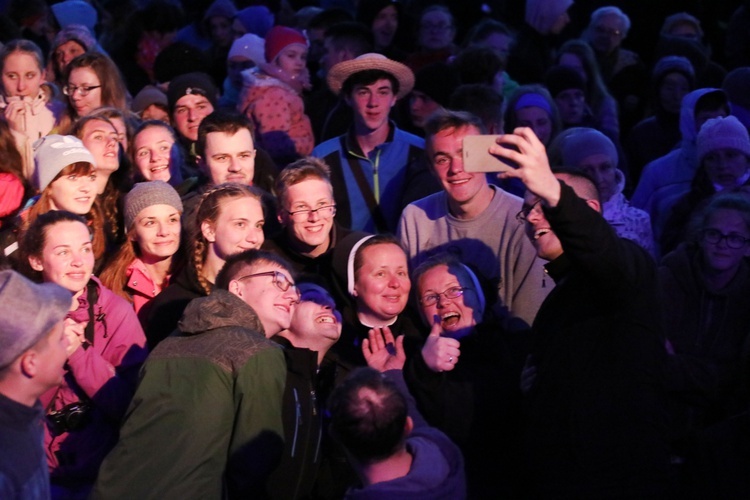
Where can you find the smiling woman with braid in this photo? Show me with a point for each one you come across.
(229, 219)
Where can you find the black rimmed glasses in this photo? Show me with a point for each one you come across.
(82, 90)
(523, 214)
(453, 292)
(280, 280)
(714, 236)
(325, 212)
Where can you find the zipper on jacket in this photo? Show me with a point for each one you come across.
(298, 423)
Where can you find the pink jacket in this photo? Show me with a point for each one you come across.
(141, 288)
(11, 193)
(104, 373)
(279, 115)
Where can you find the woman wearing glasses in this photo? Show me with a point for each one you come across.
(229, 220)
(705, 285)
(27, 101)
(92, 81)
(437, 31)
(374, 271)
(465, 379)
(106, 347)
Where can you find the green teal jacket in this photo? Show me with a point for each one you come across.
(205, 421)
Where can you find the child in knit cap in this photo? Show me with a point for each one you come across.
(71, 41)
(271, 96)
(246, 52)
(144, 264)
(723, 154)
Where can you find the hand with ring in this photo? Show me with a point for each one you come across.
(440, 353)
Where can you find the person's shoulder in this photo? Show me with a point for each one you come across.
(503, 204)
(327, 147)
(229, 347)
(627, 58)
(108, 299)
(637, 214)
(656, 169)
(505, 196)
(433, 204)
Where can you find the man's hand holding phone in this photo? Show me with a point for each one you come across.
(530, 156)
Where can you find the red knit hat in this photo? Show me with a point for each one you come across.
(280, 37)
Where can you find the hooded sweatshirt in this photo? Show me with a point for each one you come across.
(205, 421)
(667, 179)
(437, 469)
(706, 328)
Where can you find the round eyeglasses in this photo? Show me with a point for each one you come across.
(714, 236)
(453, 292)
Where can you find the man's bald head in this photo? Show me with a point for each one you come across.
(582, 185)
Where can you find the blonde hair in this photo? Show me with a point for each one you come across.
(209, 210)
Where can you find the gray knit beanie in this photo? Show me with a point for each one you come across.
(583, 142)
(674, 64)
(28, 311)
(52, 153)
(146, 194)
(722, 133)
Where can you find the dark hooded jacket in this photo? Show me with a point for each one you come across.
(205, 421)
(707, 329)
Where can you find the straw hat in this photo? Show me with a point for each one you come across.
(343, 70)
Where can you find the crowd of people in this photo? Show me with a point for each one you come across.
(242, 258)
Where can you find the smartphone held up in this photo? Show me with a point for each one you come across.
(477, 158)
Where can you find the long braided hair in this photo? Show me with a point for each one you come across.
(208, 211)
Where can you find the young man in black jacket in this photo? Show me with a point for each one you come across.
(594, 418)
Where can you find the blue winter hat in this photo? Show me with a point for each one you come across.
(75, 12)
(257, 20)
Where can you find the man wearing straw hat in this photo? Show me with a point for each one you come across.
(376, 169)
